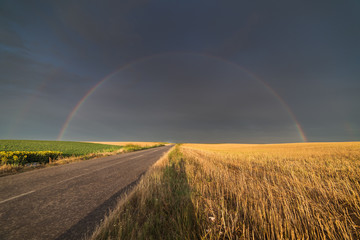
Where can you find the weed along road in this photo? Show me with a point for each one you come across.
(68, 201)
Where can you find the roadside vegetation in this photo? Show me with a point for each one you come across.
(160, 206)
(134, 147)
(27, 157)
(243, 191)
(21, 155)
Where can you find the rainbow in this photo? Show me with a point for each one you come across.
(143, 59)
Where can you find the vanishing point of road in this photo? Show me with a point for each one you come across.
(68, 201)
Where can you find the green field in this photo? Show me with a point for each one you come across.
(67, 148)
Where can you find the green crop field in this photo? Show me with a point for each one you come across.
(17, 154)
(66, 148)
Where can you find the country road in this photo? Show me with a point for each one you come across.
(68, 201)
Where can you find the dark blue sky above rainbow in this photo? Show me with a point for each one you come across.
(180, 71)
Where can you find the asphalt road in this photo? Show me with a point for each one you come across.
(68, 201)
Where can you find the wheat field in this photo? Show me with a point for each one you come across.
(278, 191)
(245, 191)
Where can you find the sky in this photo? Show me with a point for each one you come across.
(180, 71)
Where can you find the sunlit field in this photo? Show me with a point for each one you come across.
(67, 148)
(238, 191)
(296, 191)
(18, 155)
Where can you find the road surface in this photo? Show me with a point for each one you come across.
(68, 201)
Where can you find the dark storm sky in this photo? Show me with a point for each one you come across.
(196, 71)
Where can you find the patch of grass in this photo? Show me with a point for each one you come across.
(159, 208)
(133, 147)
(67, 148)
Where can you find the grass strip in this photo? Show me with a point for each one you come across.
(160, 207)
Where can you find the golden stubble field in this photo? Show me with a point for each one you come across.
(245, 191)
(276, 191)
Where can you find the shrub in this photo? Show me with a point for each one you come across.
(24, 157)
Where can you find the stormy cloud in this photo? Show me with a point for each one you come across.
(182, 71)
